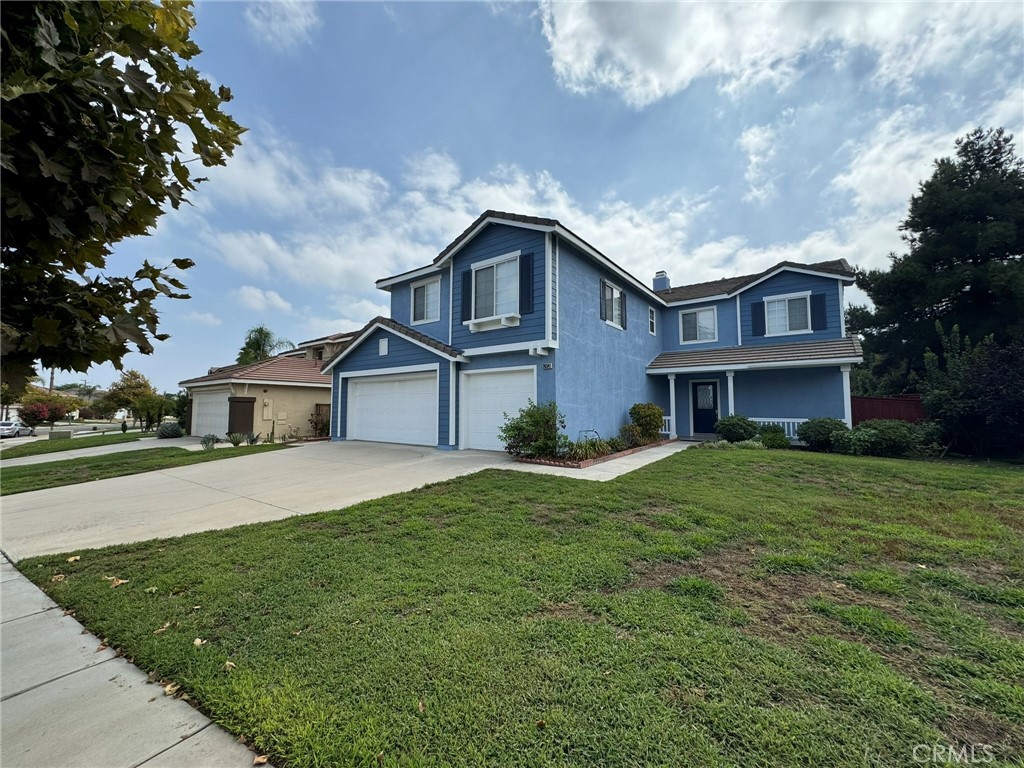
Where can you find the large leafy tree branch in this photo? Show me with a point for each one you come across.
(95, 97)
(964, 263)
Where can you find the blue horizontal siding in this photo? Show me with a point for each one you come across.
(793, 282)
(497, 240)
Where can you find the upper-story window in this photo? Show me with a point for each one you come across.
(787, 314)
(698, 325)
(496, 289)
(652, 321)
(613, 304)
(426, 301)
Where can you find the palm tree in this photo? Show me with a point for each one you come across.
(261, 343)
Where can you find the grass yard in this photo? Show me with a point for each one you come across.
(40, 447)
(34, 477)
(713, 609)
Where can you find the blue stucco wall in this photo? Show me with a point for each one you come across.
(793, 282)
(798, 393)
(401, 352)
(599, 369)
(401, 307)
(496, 240)
(726, 326)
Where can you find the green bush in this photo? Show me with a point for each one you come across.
(208, 441)
(716, 445)
(888, 437)
(648, 418)
(252, 438)
(630, 435)
(773, 436)
(616, 444)
(817, 433)
(534, 431)
(750, 445)
(591, 448)
(237, 438)
(169, 429)
(735, 428)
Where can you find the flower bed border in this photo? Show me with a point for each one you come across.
(591, 462)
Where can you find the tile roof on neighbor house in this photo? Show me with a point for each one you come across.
(329, 338)
(399, 328)
(729, 285)
(846, 350)
(286, 370)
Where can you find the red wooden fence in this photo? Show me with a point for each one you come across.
(902, 407)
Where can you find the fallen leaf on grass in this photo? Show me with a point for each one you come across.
(115, 582)
(164, 628)
(260, 759)
(171, 688)
(541, 724)
(198, 642)
(380, 758)
(151, 590)
(229, 665)
(101, 647)
(58, 578)
(69, 612)
(74, 558)
(421, 707)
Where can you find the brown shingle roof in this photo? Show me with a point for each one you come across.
(757, 356)
(290, 370)
(402, 330)
(729, 285)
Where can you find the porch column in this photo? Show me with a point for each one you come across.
(847, 406)
(731, 388)
(671, 406)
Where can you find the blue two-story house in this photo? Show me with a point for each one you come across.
(520, 308)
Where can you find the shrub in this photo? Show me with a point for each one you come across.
(616, 444)
(318, 424)
(591, 448)
(735, 428)
(169, 429)
(817, 433)
(630, 435)
(716, 445)
(237, 438)
(87, 413)
(533, 431)
(773, 436)
(648, 419)
(750, 445)
(252, 438)
(888, 437)
(34, 414)
(208, 441)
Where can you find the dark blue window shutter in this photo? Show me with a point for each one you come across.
(622, 298)
(819, 318)
(526, 284)
(757, 318)
(604, 307)
(467, 295)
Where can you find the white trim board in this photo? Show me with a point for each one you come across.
(388, 329)
(261, 382)
(426, 367)
(522, 346)
(758, 366)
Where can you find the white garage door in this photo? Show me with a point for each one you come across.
(486, 398)
(393, 409)
(210, 413)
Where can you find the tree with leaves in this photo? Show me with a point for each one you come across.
(964, 263)
(96, 98)
(260, 344)
(129, 389)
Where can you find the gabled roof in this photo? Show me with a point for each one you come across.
(830, 352)
(276, 370)
(729, 286)
(421, 339)
(332, 338)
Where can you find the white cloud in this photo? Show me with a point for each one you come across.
(203, 318)
(646, 51)
(432, 170)
(758, 141)
(258, 299)
(283, 25)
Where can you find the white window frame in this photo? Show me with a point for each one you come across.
(621, 296)
(412, 301)
(506, 320)
(713, 309)
(806, 296)
(382, 347)
(652, 321)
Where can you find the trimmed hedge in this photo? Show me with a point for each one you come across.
(735, 429)
(773, 436)
(817, 433)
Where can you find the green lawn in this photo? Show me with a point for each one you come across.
(51, 474)
(56, 446)
(713, 609)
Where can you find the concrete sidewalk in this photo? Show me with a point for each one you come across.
(65, 703)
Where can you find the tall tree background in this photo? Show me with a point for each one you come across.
(963, 266)
(261, 343)
(97, 98)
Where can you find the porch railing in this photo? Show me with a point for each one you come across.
(666, 425)
(790, 425)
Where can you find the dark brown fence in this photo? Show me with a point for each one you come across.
(902, 407)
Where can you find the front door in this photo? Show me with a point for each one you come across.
(704, 397)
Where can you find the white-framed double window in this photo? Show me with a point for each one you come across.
(613, 304)
(787, 314)
(496, 288)
(426, 301)
(698, 325)
(652, 321)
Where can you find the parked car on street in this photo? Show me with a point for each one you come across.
(15, 428)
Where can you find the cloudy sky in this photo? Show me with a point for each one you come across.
(704, 139)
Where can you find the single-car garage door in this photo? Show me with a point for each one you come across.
(487, 397)
(210, 413)
(393, 409)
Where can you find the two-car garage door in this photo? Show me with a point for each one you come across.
(393, 409)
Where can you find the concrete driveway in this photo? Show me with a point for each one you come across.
(249, 489)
